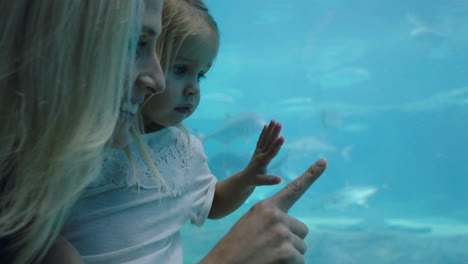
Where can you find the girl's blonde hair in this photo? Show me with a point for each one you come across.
(182, 19)
(62, 79)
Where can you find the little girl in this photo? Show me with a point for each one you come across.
(131, 216)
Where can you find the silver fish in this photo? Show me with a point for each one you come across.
(310, 145)
(239, 126)
(349, 196)
(313, 145)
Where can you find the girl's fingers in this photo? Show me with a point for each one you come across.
(261, 139)
(269, 130)
(261, 180)
(276, 146)
(274, 133)
(264, 157)
(273, 150)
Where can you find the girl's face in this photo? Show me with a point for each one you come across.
(149, 78)
(182, 94)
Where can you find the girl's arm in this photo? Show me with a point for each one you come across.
(61, 252)
(232, 192)
(229, 195)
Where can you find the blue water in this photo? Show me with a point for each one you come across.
(389, 80)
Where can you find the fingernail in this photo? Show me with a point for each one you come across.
(321, 163)
(276, 180)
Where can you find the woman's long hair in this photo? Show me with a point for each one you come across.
(62, 79)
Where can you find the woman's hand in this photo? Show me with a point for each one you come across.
(266, 234)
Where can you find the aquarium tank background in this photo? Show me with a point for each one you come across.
(378, 88)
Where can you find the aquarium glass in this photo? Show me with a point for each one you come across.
(379, 89)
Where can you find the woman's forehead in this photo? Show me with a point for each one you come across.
(152, 17)
(154, 5)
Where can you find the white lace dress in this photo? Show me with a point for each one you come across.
(127, 219)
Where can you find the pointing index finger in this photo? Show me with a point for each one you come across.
(287, 196)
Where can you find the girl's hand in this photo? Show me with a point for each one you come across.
(268, 146)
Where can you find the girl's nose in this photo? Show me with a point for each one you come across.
(192, 89)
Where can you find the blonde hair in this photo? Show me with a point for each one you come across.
(182, 19)
(62, 79)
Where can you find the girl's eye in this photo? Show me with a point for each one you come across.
(179, 69)
(201, 76)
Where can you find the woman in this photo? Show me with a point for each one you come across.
(64, 95)
(64, 69)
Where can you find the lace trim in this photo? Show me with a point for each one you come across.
(171, 153)
(114, 170)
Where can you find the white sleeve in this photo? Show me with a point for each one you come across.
(203, 183)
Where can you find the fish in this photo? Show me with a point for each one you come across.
(219, 97)
(330, 119)
(315, 111)
(215, 105)
(239, 126)
(329, 54)
(337, 114)
(423, 30)
(357, 195)
(310, 145)
(451, 98)
(375, 223)
(296, 100)
(442, 35)
(348, 197)
(316, 146)
(342, 77)
(225, 164)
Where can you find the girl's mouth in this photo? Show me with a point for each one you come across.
(182, 110)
